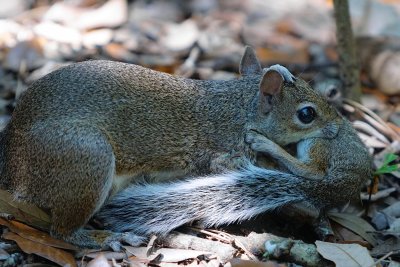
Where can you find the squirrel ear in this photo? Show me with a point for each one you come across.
(249, 63)
(270, 85)
(271, 82)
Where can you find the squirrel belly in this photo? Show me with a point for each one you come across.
(212, 200)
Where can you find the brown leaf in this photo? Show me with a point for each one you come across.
(26, 55)
(109, 255)
(119, 52)
(285, 49)
(345, 255)
(34, 235)
(23, 211)
(56, 255)
(89, 18)
(355, 224)
(344, 235)
(168, 254)
(99, 261)
(247, 263)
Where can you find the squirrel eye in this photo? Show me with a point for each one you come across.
(332, 92)
(306, 115)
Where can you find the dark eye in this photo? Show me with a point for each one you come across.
(306, 115)
(332, 92)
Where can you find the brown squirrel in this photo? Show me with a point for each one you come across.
(83, 133)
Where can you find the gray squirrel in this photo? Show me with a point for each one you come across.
(82, 134)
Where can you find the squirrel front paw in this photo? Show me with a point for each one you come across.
(260, 143)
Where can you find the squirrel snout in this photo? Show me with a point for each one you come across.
(331, 130)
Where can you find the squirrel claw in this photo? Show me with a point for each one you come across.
(260, 143)
(115, 241)
(259, 147)
(254, 137)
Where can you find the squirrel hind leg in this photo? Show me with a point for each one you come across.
(67, 169)
(88, 183)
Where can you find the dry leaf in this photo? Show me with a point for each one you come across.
(284, 49)
(97, 38)
(55, 32)
(24, 212)
(391, 244)
(345, 255)
(247, 263)
(99, 261)
(119, 52)
(25, 54)
(355, 224)
(109, 255)
(112, 14)
(56, 255)
(343, 234)
(35, 235)
(168, 254)
(180, 37)
(3, 254)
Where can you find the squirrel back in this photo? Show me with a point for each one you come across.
(153, 120)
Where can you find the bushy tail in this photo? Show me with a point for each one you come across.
(213, 200)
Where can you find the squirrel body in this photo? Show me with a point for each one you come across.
(83, 133)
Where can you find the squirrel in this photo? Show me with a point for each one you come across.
(85, 132)
(326, 173)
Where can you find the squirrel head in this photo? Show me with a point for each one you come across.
(289, 110)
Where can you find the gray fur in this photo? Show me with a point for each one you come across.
(213, 200)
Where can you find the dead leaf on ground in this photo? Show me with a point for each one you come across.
(4, 254)
(27, 53)
(247, 263)
(35, 235)
(167, 254)
(25, 212)
(345, 255)
(109, 255)
(112, 14)
(99, 261)
(284, 49)
(355, 224)
(385, 218)
(180, 37)
(391, 244)
(346, 236)
(56, 255)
